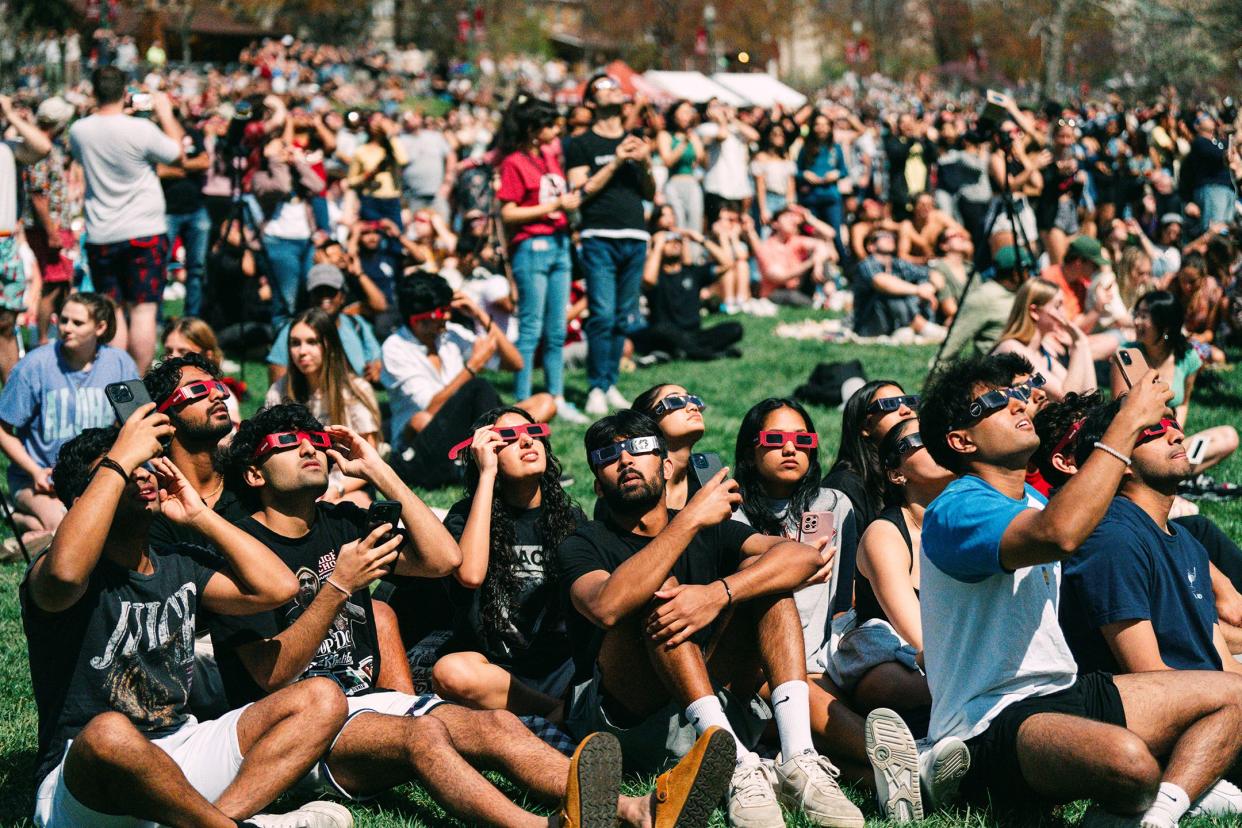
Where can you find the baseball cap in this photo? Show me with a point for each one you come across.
(54, 112)
(1085, 247)
(1012, 257)
(325, 275)
(1171, 218)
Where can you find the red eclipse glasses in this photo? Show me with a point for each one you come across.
(435, 313)
(282, 440)
(776, 439)
(194, 391)
(509, 434)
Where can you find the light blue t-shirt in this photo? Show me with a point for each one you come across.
(991, 637)
(357, 340)
(47, 404)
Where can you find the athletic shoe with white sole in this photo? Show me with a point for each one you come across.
(752, 797)
(895, 761)
(567, 411)
(808, 781)
(597, 403)
(318, 814)
(616, 399)
(1222, 798)
(941, 770)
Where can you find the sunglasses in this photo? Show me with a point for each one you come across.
(993, 401)
(605, 83)
(890, 404)
(1157, 431)
(676, 402)
(510, 434)
(905, 447)
(435, 313)
(634, 445)
(777, 439)
(282, 440)
(194, 391)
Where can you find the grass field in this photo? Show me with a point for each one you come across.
(771, 367)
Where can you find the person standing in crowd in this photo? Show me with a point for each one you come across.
(186, 210)
(1204, 182)
(429, 176)
(288, 225)
(910, 159)
(55, 392)
(726, 141)
(776, 179)
(49, 214)
(126, 229)
(612, 171)
(534, 202)
(375, 172)
(822, 170)
(681, 150)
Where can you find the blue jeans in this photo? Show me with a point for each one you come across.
(541, 269)
(1216, 203)
(614, 276)
(371, 208)
(289, 261)
(193, 228)
(830, 211)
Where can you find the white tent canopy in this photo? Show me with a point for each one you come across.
(692, 86)
(759, 89)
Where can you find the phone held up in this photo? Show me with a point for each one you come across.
(126, 398)
(381, 512)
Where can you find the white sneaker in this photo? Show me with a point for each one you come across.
(319, 814)
(903, 336)
(941, 770)
(752, 797)
(567, 411)
(1097, 817)
(895, 761)
(1220, 799)
(597, 403)
(616, 399)
(809, 781)
(933, 333)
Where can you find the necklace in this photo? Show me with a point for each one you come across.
(214, 491)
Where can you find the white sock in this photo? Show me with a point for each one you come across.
(791, 707)
(707, 712)
(1171, 805)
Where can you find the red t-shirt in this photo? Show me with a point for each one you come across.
(1075, 295)
(528, 181)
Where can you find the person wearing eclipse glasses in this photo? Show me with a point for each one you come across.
(679, 414)
(1144, 747)
(431, 371)
(678, 616)
(279, 461)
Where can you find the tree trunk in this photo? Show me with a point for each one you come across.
(1053, 38)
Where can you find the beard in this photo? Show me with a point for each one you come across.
(607, 110)
(206, 433)
(635, 500)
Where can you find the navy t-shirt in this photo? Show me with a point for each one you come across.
(1130, 570)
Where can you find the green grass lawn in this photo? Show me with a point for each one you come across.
(771, 367)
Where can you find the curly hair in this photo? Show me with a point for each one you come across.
(558, 518)
(252, 432)
(1052, 423)
(72, 473)
(949, 392)
(419, 294)
(750, 483)
(165, 377)
(1094, 425)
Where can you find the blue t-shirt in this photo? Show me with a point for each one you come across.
(1131, 570)
(357, 339)
(47, 404)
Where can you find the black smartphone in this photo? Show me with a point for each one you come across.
(126, 398)
(381, 512)
(705, 466)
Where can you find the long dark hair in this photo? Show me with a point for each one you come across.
(1167, 317)
(523, 119)
(856, 453)
(746, 471)
(811, 144)
(557, 520)
(890, 458)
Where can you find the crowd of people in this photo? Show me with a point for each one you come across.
(221, 609)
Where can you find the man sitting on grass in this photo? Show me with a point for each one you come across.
(278, 461)
(109, 623)
(1143, 746)
(671, 607)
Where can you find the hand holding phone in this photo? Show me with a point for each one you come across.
(816, 525)
(705, 465)
(381, 512)
(1131, 363)
(129, 396)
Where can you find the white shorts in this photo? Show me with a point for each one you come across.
(319, 780)
(207, 753)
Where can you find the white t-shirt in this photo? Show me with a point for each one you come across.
(727, 164)
(410, 377)
(123, 195)
(8, 187)
(991, 637)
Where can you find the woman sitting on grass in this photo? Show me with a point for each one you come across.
(510, 649)
(679, 414)
(1038, 330)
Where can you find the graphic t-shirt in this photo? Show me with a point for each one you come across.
(533, 640)
(47, 404)
(616, 211)
(528, 181)
(349, 654)
(1131, 570)
(127, 645)
(712, 554)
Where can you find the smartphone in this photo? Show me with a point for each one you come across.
(381, 512)
(1198, 449)
(126, 398)
(1131, 363)
(705, 466)
(816, 525)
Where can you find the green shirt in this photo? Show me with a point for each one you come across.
(980, 319)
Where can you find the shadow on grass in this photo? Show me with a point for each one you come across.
(16, 795)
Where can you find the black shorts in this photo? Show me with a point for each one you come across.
(994, 769)
(130, 271)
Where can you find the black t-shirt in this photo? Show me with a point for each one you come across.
(164, 532)
(618, 206)
(850, 483)
(349, 653)
(675, 296)
(383, 268)
(712, 554)
(127, 645)
(535, 641)
(185, 195)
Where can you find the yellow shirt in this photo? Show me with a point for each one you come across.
(384, 183)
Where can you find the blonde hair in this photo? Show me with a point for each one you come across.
(1127, 288)
(1021, 326)
(198, 332)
